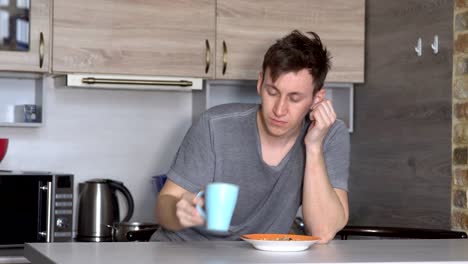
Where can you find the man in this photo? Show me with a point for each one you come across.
(288, 151)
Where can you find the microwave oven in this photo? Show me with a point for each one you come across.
(35, 207)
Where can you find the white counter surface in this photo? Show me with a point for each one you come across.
(338, 251)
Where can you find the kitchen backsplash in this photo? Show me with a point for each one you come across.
(127, 136)
(124, 135)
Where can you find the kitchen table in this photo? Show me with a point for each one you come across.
(337, 251)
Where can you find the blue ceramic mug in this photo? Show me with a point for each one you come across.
(220, 201)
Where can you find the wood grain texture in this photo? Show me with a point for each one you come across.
(146, 37)
(29, 61)
(401, 147)
(250, 27)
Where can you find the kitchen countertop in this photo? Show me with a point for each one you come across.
(337, 251)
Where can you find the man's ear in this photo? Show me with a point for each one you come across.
(259, 83)
(319, 96)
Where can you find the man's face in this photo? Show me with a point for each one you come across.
(285, 102)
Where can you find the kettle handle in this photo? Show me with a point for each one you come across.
(116, 185)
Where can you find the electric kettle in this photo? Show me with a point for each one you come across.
(99, 209)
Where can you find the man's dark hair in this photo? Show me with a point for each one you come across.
(295, 52)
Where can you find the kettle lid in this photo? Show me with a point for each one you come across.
(98, 181)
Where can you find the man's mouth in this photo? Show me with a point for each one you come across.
(278, 122)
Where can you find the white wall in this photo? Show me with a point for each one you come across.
(123, 135)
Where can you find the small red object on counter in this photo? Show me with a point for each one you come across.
(3, 147)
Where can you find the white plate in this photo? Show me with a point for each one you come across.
(274, 242)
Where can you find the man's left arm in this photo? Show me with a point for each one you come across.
(325, 207)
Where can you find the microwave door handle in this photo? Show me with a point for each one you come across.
(49, 212)
(48, 231)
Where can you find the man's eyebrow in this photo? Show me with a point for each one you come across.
(271, 85)
(290, 94)
(297, 93)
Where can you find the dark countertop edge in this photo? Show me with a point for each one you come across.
(34, 256)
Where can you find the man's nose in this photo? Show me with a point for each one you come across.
(281, 107)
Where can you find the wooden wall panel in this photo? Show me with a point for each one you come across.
(401, 162)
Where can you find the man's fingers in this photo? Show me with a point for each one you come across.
(199, 200)
(197, 219)
(327, 108)
(330, 110)
(322, 120)
(323, 113)
(324, 103)
(321, 117)
(187, 212)
(183, 208)
(328, 117)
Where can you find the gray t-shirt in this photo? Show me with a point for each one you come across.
(224, 146)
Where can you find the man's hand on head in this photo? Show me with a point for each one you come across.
(322, 116)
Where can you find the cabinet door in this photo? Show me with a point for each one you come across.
(248, 28)
(401, 163)
(37, 57)
(148, 37)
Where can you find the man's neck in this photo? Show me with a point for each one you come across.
(273, 140)
(274, 148)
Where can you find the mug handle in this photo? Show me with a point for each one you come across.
(199, 209)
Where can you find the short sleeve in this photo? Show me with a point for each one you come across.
(193, 166)
(337, 154)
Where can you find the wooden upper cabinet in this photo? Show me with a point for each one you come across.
(147, 37)
(37, 57)
(180, 38)
(245, 30)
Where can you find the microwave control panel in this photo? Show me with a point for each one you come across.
(63, 208)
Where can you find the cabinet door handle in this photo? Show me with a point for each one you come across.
(92, 80)
(41, 50)
(224, 57)
(207, 56)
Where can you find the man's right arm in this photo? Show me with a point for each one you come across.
(176, 208)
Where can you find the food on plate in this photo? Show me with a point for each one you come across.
(279, 237)
(284, 239)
